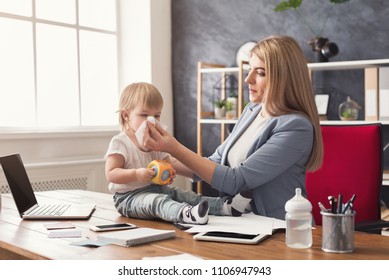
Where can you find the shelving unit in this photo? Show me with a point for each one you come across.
(373, 83)
(373, 92)
(207, 117)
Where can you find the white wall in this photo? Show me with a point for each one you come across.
(145, 48)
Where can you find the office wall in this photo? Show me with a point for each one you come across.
(212, 31)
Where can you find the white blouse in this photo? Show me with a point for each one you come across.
(239, 150)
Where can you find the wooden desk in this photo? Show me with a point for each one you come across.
(28, 239)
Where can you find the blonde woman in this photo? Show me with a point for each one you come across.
(275, 141)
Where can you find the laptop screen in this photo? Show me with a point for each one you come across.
(18, 182)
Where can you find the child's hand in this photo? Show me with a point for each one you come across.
(172, 176)
(144, 175)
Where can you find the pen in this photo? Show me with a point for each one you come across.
(340, 204)
(332, 203)
(323, 209)
(349, 204)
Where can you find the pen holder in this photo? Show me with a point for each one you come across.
(162, 170)
(338, 232)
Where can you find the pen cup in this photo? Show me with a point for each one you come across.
(338, 232)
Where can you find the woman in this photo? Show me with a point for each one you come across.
(276, 139)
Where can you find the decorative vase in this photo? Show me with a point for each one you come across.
(348, 110)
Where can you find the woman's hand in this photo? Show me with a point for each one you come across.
(172, 176)
(157, 139)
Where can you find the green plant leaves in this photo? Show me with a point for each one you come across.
(286, 5)
(320, 16)
(220, 103)
(294, 4)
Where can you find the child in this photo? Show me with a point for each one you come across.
(130, 180)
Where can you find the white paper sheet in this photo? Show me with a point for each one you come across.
(64, 233)
(247, 224)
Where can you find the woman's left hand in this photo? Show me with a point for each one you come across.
(172, 176)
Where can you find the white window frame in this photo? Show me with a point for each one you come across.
(17, 132)
(140, 21)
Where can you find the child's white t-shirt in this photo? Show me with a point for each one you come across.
(133, 158)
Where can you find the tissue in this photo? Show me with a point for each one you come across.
(140, 132)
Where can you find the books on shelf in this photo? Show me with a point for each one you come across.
(136, 236)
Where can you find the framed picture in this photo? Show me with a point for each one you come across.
(322, 101)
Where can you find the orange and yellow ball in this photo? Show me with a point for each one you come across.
(163, 170)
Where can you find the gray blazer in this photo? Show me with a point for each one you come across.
(275, 163)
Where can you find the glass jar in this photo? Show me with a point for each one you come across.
(298, 222)
(348, 110)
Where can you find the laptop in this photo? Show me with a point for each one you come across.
(25, 199)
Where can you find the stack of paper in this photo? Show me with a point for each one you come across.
(246, 224)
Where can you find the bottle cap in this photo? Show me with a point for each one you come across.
(298, 203)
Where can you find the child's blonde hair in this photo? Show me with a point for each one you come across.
(135, 94)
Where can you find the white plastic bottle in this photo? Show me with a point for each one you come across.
(298, 222)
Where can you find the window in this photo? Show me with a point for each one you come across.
(58, 63)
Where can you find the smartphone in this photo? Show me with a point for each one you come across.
(109, 227)
(231, 237)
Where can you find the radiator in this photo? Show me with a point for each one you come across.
(80, 183)
(81, 175)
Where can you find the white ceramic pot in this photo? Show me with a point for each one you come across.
(219, 112)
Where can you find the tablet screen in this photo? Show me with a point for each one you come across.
(232, 237)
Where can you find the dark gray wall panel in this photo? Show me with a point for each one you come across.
(212, 31)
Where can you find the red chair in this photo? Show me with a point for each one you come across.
(352, 164)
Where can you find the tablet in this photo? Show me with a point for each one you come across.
(232, 237)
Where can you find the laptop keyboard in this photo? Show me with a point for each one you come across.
(49, 210)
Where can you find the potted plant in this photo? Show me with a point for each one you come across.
(219, 108)
(324, 48)
(230, 111)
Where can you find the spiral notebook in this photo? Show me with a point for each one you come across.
(136, 236)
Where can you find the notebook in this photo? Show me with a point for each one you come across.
(136, 236)
(25, 199)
